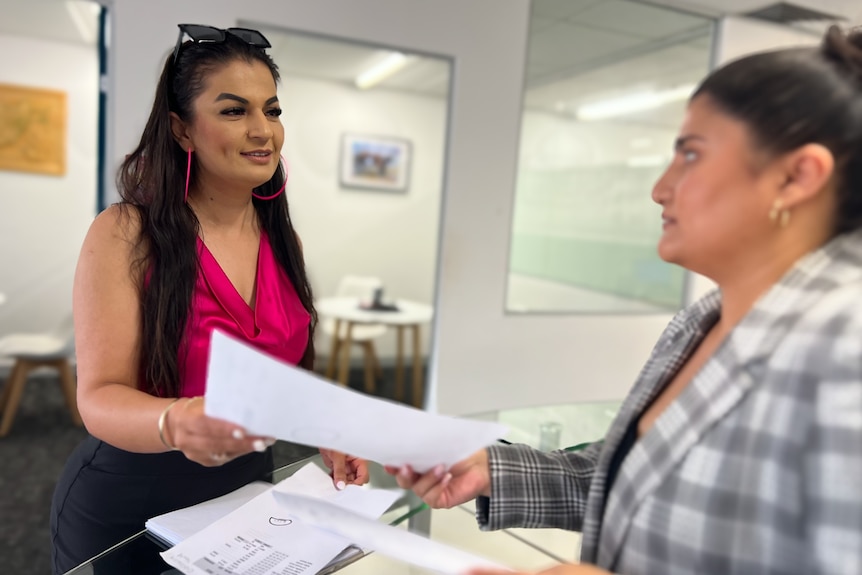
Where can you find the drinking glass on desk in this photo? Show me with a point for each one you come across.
(549, 435)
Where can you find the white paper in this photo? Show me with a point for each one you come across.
(271, 398)
(260, 537)
(384, 539)
(181, 524)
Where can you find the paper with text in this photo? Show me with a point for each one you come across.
(180, 524)
(261, 538)
(269, 397)
(384, 539)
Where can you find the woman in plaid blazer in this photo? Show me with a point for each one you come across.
(739, 448)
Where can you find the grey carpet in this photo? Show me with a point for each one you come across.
(32, 457)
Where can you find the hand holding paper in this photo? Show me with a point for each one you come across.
(271, 398)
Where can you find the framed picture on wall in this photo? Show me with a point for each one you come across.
(32, 130)
(374, 162)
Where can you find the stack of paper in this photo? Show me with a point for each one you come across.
(260, 536)
(181, 524)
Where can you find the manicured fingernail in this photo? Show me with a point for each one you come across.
(259, 445)
(404, 472)
(238, 434)
(446, 479)
(270, 441)
(439, 470)
(340, 485)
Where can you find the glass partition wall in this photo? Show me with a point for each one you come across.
(607, 85)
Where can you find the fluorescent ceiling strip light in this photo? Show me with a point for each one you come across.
(84, 14)
(393, 62)
(633, 103)
(652, 161)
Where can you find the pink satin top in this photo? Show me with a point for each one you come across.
(278, 324)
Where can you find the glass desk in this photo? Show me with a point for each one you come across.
(549, 427)
(139, 554)
(555, 426)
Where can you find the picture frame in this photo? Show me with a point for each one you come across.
(32, 130)
(375, 162)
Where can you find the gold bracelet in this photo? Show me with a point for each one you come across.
(162, 420)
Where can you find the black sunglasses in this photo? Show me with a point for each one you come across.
(202, 33)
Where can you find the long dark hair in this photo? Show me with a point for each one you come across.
(792, 97)
(151, 181)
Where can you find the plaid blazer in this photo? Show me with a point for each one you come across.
(756, 467)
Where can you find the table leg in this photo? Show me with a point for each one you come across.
(344, 368)
(370, 383)
(333, 351)
(399, 364)
(418, 388)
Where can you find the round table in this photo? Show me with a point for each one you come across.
(410, 315)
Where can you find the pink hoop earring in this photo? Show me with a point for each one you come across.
(188, 173)
(278, 193)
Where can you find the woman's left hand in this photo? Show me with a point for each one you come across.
(346, 469)
(567, 569)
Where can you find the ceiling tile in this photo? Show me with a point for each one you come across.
(558, 9)
(637, 19)
(566, 45)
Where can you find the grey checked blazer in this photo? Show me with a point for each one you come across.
(756, 467)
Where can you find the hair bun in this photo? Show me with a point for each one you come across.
(844, 49)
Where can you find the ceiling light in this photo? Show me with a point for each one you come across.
(631, 103)
(641, 143)
(393, 62)
(85, 15)
(651, 161)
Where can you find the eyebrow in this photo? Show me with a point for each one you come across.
(241, 100)
(683, 140)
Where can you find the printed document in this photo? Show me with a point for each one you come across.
(271, 398)
(261, 537)
(384, 539)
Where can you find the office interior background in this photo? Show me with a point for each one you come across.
(524, 221)
(533, 132)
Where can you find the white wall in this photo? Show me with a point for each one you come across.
(347, 231)
(43, 218)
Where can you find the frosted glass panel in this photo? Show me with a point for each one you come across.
(598, 127)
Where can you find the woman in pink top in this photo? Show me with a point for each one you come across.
(201, 241)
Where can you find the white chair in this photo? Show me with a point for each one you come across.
(362, 288)
(31, 351)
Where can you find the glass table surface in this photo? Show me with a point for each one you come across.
(544, 427)
(139, 554)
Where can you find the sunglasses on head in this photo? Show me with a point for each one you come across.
(199, 33)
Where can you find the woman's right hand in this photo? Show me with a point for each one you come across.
(440, 488)
(207, 440)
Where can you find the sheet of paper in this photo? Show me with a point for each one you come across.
(384, 539)
(261, 538)
(177, 525)
(269, 397)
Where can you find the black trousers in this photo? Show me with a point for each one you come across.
(105, 495)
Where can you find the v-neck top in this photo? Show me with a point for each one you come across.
(277, 325)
